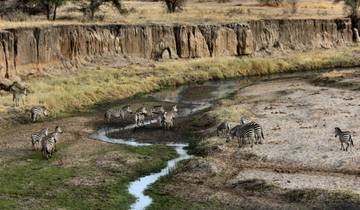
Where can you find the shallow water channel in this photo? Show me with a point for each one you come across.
(196, 97)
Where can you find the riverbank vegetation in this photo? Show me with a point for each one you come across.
(79, 91)
(97, 178)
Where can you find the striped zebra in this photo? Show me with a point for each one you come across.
(48, 146)
(49, 142)
(345, 138)
(117, 112)
(259, 134)
(139, 119)
(223, 129)
(243, 132)
(38, 112)
(167, 119)
(37, 137)
(19, 94)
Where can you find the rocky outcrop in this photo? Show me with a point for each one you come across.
(28, 50)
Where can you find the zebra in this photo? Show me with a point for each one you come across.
(48, 146)
(18, 95)
(37, 137)
(49, 142)
(117, 112)
(167, 119)
(139, 119)
(259, 134)
(223, 128)
(38, 111)
(242, 132)
(157, 110)
(344, 137)
(56, 133)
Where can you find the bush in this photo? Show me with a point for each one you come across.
(174, 5)
(273, 3)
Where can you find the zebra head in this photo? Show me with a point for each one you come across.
(58, 129)
(337, 131)
(242, 121)
(174, 108)
(46, 111)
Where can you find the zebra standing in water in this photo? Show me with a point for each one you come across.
(167, 119)
(345, 138)
(140, 115)
(38, 111)
(117, 112)
(37, 137)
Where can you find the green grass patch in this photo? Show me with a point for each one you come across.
(34, 183)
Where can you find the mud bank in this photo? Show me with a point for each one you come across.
(300, 164)
(30, 50)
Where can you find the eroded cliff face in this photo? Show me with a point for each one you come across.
(27, 50)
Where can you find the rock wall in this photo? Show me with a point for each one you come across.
(27, 50)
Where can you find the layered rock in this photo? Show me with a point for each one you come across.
(27, 50)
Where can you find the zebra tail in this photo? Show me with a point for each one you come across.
(352, 143)
(262, 134)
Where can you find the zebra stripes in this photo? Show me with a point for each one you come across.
(243, 131)
(37, 137)
(49, 142)
(345, 138)
(117, 112)
(38, 112)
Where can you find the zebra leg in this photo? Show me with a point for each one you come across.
(347, 146)
(342, 147)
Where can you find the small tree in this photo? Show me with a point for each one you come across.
(95, 5)
(274, 3)
(352, 7)
(174, 5)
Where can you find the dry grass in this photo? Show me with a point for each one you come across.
(72, 93)
(194, 12)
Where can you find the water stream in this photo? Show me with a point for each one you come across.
(197, 98)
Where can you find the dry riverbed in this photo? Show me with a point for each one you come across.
(300, 164)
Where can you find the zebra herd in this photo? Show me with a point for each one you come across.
(164, 118)
(253, 131)
(45, 142)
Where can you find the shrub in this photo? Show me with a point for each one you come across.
(273, 3)
(174, 5)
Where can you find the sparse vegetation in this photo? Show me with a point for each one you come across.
(352, 8)
(174, 5)
(91, 86)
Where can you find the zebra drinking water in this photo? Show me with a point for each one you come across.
(37, 137)
(117, 112)
(38, 112)
(345, 138)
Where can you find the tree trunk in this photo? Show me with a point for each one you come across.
(54, 14)
(48, 12)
